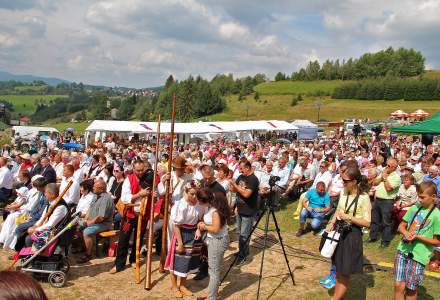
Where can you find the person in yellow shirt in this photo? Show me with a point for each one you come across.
(387, 187)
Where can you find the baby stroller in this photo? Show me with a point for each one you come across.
(51, 260)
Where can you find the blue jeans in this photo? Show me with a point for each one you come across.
(317, 218)
(244, 227)
(94, 229)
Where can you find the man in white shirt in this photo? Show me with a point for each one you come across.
(51, 193)
(282, 171)
(78, 173)
(6, 180)
(323, 175)
(72, 195)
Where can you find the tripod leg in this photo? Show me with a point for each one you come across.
(282, 245)
(247, 241)
(266, 228)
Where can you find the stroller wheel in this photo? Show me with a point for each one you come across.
(57, 279)
(65, 265)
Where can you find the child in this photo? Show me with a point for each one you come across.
(421, 231)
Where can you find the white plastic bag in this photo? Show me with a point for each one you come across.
(331, 241)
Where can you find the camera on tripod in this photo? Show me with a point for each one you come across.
(273, 180)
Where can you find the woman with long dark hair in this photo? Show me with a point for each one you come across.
(353, 213)
(215, 224)
(16, 285)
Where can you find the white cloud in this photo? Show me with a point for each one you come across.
(140, 42)
(233, 30)
(75, 62)
(7, 41)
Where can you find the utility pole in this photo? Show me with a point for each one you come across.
(318, 105)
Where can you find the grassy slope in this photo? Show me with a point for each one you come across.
(25, 104)
(278, 107)
(61, 126)
(288, 87)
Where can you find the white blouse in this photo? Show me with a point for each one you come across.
(184, 213)
(84, 202)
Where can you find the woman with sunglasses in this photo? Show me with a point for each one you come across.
(353, 213)
(115, 192)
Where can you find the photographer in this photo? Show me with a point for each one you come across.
(246, 188)
(353, 213)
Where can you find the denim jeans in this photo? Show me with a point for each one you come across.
(317, 218)
(244, 227)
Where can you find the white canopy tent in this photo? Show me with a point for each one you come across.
(184, 130)
(306, 129)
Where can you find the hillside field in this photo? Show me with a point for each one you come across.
(25, 104)
(278, 107)
(288, 87)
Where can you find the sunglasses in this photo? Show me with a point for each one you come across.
(346, 180)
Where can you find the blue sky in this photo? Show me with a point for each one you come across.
(138, 43)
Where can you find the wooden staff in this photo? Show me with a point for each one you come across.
(138, 239)
(151, 219)
(167, 193)
(56, 201)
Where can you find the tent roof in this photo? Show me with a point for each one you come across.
(35, 128)
(304, 124)
(432, 126)
(200, 127)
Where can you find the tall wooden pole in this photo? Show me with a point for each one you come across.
(138, 239)
(168, 192)
(151, 218)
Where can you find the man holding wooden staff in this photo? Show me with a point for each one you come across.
(131, 195)
(178, 181)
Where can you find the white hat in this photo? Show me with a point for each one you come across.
(35, 177)
(23, 191)
(25, 156)
(222, 161)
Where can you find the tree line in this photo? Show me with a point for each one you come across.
(390, 88)
(399, 63)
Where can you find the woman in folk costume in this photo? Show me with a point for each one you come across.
(15, 209)
(183, 256)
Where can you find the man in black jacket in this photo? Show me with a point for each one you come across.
(47, 171)
(36, 165)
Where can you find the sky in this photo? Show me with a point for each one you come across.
(139, 43)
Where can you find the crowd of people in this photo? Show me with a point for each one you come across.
(362, 185)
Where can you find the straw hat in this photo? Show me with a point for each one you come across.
(179, 163)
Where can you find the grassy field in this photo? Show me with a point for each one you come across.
(278, 107)
(288, 87)
(432, 73)
(25, 104)
(78, 127)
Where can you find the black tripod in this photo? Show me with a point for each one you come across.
(269, 209)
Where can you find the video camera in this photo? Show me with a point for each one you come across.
(273, 180)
